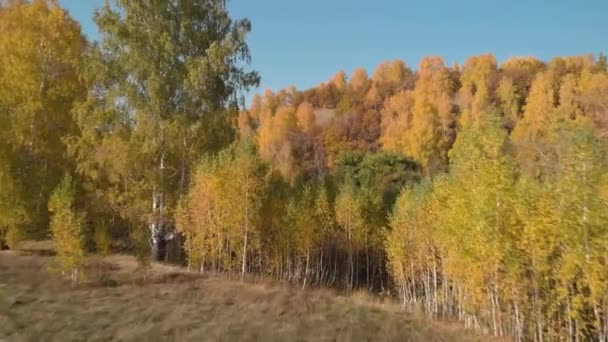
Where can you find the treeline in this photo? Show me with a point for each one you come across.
(475, 191)
(241, 216)
(503, 250)
(507, 228)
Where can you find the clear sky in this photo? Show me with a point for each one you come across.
(304, 42)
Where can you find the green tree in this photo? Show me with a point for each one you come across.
(164, 85)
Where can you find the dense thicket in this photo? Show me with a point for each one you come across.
(40, 53)
(506, 230)
(475, 191)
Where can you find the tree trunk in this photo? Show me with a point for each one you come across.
(244, 260)
(518, 324)
(367, 263)
(493, 312)
(306, 267)
(157, 229)
(159, 243)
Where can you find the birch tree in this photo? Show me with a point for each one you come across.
(164, 84)
(41, 49)
(67, 229)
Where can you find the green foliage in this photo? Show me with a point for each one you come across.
(164, 85)
(385, 173)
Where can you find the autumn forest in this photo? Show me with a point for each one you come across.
(475, 191)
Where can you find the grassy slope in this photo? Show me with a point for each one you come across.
(175, 305)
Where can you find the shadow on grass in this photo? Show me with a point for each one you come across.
(37, 252)
(176, 277)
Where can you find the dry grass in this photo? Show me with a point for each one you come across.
(35, 305)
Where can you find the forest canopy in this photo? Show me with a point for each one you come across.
(476, 191)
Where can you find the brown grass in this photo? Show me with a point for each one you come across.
(36, 305)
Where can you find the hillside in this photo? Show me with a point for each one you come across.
(474, 191)
(176, 305)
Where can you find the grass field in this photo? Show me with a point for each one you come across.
(114, 304)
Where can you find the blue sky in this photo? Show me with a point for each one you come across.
(303, 43)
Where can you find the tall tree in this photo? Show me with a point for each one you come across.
(220, 217)
(277, 134)
(245, 194)
(408, 245)
(396, 119)
(306, 118)
(67, 228)
(41, 48)
(517, 75)
(478, 82)
(390, 76)
(480, 214)
(431, 132)
(349, 215)
(359, 82)
(163, 87)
